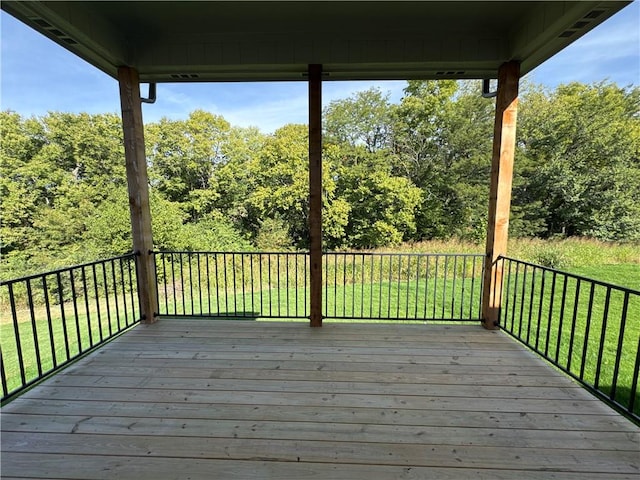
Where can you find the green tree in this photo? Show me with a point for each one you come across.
(578, 161)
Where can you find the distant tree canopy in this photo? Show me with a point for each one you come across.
(393, 173)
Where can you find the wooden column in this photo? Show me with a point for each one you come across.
(138, 191)
(315, 192)
(504, 141)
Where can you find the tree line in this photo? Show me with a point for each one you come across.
(392, 172)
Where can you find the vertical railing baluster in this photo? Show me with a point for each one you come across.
(183, 289)
(208, 268)
(278, 284)
(124, 294)
(390, 284)
(353, 286)
(538, 325)
(130, 267)
(253, 292)
(464, 278)
(550, 316)
(47, 305)
(362, 270)
(380, 286)
(16, 332)
(235, 285)
(426, 284)
(530, 317)
(325, 279)
(269, 280)
(200, 309)
(435, 285)
(286, 269)
(97, 297)
(75, 310)
(3, 375)
(173, 282)
(190, 260)
(164, 276)
(226, 284)
(484, 260)
(115, 294)
(587, 331)
(453, 286)
(473, 284)
(515, 300)
(445, 281)
(34, 329)
(344, 284)
(417, 301)
(603, 336)
(522, 301)
(62, 315)
(561, 320)
(574, 319)
(217, 274)
(261, 285)
(616, 368)
(296, 270)
(634, 381)
(86, 305)
(306, 297)
(371, 282)
(244, 301)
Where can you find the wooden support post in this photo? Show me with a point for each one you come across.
(504, 141)
(138, 185)
(315, 193)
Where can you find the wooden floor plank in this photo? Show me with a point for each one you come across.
(229, 399)
(606, 421)
(316, 372)
(427, 455)
(334, 387)
(343, 432)
(98, 467)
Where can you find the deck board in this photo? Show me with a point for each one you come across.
(231, 399)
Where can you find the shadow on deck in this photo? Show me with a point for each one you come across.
(231, 399)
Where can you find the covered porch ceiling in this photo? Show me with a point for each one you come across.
(270, 40)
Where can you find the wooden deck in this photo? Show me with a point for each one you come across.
(255, 400)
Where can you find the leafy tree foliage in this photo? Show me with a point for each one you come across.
(392, 173)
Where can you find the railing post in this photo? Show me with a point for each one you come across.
(315, 193)
(138, 185)
(504, 140)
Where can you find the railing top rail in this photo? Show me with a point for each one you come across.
(207, 252)
(388, 254)
(407, 254)
(612, 286)
(65, 269)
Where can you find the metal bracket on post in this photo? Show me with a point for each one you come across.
(152, 94)
(486, 89)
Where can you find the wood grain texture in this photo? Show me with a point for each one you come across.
(504, 144)
(138, 187)
(229, 399)
(315, 194)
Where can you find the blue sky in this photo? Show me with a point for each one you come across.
(38, 76)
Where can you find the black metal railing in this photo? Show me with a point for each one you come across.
(403, 286)
(50, 319)
(587, 328)
(233, 284)
(356, 285)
